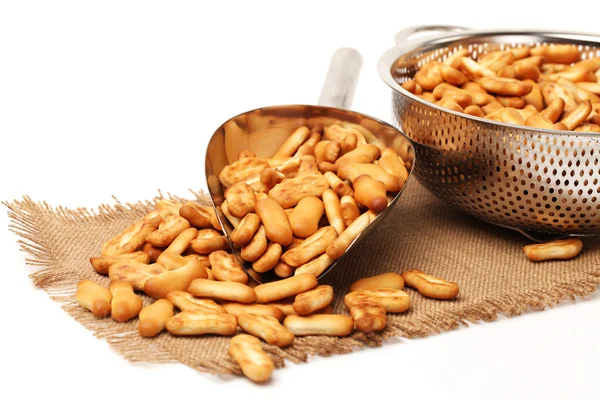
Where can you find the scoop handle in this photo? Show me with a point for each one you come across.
(342, 78)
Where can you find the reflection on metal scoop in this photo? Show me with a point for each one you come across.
(264, 130)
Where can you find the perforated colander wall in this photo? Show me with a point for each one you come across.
(509, 176)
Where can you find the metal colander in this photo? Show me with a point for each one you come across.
(536, 181)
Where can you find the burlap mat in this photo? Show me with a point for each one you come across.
(421, 232)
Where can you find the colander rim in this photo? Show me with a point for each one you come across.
(389, 58)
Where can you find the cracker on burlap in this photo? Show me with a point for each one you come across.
(420, 232)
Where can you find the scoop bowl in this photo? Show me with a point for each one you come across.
(264, 130)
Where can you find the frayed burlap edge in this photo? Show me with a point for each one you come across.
(60, 284)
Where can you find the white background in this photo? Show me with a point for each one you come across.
(120, 97)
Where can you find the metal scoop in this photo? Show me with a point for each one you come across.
(264, 130)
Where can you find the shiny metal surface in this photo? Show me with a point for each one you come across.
(264, 130)
(543, 183)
